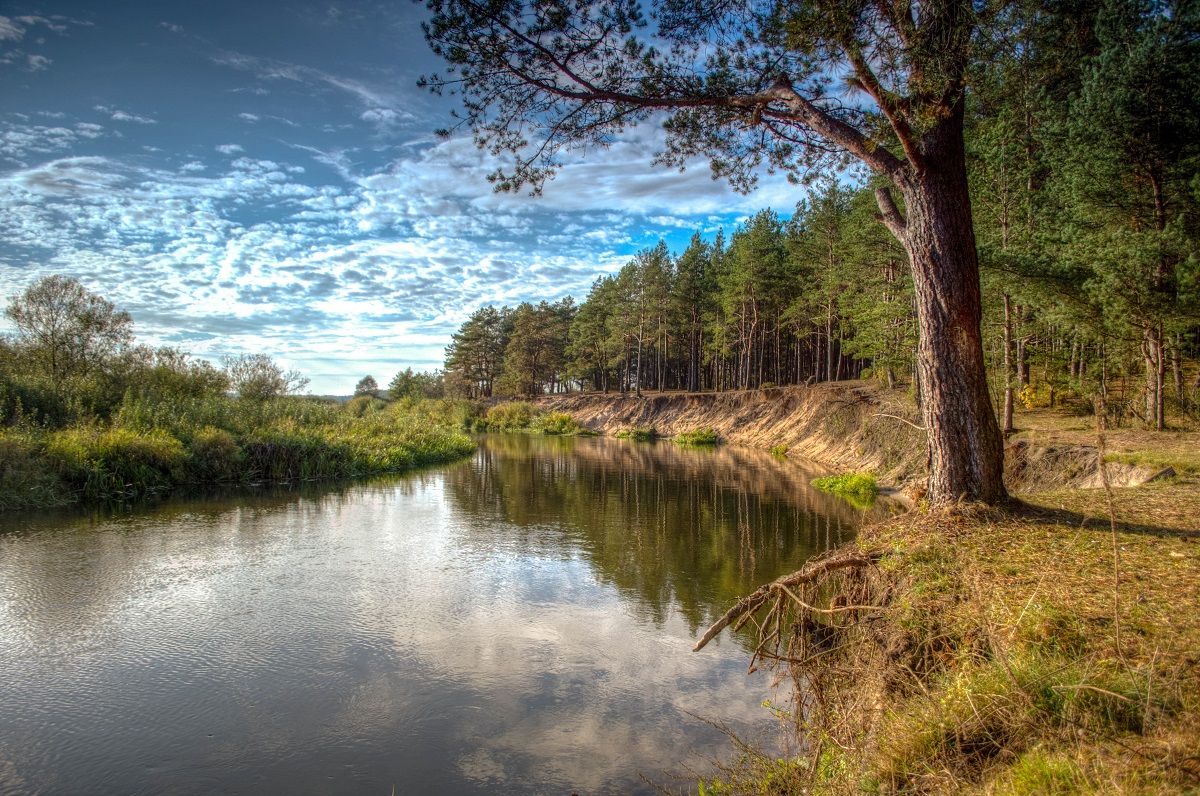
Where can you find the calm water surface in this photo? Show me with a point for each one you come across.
(517, 622)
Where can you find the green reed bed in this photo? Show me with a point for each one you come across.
(154, 447)
(697, 437)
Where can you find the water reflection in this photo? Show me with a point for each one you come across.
(689, 528)
(517, 622)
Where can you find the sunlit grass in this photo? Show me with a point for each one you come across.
(697, 436)
(154, 447)
(858, 489)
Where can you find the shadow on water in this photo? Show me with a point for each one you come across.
(517, 622)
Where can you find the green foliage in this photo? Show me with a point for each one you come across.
(181, 415)
(536, 347)
(415, 386)
(28, 478)
(117, 464)
(257, 377)
(1042, 772)
(524, 416)
(367, 386)
(451, 413)
(23, 403)
(157, 445)
(65, 332)
(510, 416)
(697, 436)
(559, 423)
(213, 456)
(858, 489)
(638, 434)
(475, 356)
(779, 451)
(987, 709)
(359, 405)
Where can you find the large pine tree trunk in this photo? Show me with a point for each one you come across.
(966, 451)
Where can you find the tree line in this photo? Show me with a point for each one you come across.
(780, 302)
(1053, 145)
(1083, 164)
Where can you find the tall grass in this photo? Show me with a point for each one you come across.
(697, 436)
(27, 477)
(524, 416)
(638, 434)
(857, 489)
(153, 446)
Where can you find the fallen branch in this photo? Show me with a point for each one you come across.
(745, 607)
(901, 419)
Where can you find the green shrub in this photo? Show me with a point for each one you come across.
(779, 451)
(118, 464)
(698, 436)
(858, 489)
(157, 444)
(639, 434)
(361, 404)
(1039, 771)
(991, 709)
(213, 456)
(511, 416)
(288, 452)
(559, 423)
(452, 413)
(27, 404)
(27, 477)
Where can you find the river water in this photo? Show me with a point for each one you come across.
(518, 622)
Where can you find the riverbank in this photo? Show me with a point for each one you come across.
(1043, 647)
(861, 426)
(1034, 649)
(150, 449)
(1039, 647)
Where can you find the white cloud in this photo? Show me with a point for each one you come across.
(123, 116)
(10, 29)
(118, 115)
(249, 117)
(381, 105)
(252, 253)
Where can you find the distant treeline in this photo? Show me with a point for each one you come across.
(822, 296)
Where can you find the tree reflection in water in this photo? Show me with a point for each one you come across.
(665, 525)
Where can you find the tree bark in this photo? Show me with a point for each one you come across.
(966, 450)
(1009, 368)
(1177, 373)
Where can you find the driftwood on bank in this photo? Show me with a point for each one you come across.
(782, 587)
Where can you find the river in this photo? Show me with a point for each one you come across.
(517, 622)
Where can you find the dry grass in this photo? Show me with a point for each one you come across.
(1025, 650)
(1046, 593)
(1178, 447)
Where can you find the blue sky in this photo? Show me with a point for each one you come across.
(263, 177)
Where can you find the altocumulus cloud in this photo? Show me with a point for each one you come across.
(297, 203)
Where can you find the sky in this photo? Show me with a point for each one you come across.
(263, 177)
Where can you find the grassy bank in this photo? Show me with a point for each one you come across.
(152, 447)
(858, 489)
(522, 416)
(1029, 650)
